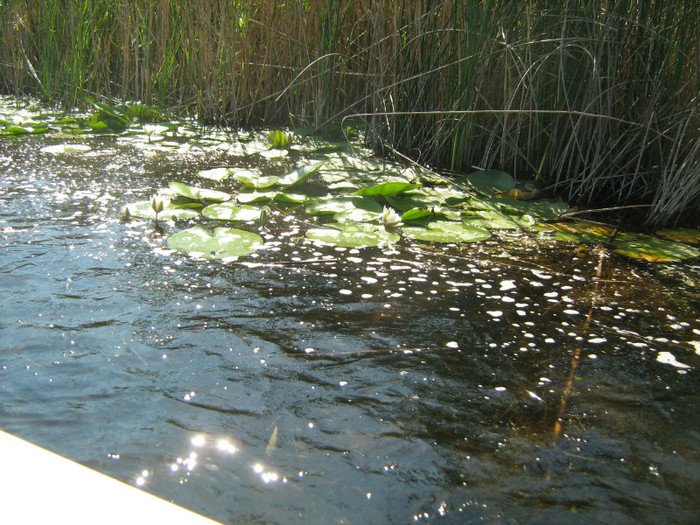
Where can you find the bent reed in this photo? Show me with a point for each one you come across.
(597, 100)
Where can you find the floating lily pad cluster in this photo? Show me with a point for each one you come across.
(356, 201)
(352, 198)
(103, 119)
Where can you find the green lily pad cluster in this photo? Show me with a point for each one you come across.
(373, 207)
(354, 198)
(104, 118)
(357, 201)
(186, 202)
(405, 204)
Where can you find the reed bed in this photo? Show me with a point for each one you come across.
(596, 99)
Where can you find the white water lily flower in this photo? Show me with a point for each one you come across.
(149, 129)
(390, 218)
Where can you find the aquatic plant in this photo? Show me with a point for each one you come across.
(223, 243)
(354, 199)
(360, 213)
(597, 99)
(156, 206)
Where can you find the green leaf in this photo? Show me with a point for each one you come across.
(445, 231)
(652, 249)
(254, 196)
(144, 113)
(685, 235)
(14, 129)
(108, 118)
(581, 231)
(352, 235)
(108, 110)
(273, 153)
(279, 139)
(388, 188)
(299, 175)
(427, 197)
(486, 181)
(198, 194)
(228, 211)
(144, 210)
(494, 220)
(285, 196)
(217, 174)
(357, 215)
(415, 214)
(542, 210)
(633, 245)
(253, 178)
(339, 204)
(224, 243)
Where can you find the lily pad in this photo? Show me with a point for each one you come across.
(685, 235)
(346, 161)
(273, 153)
(415, 214)
(494, 220)
(357, 215)
(199, 194)
(229, 211)
(224, 243)
(543, 210)
(341, 177)
(633, 245)
(352, 235)
(58, 149)
(284, 196)
(388, 188)
(581, 231)
(253, 178)
(445, 231)
(486, 181)
(427, 197)
(652, 249)
(15, 129)
(340, 204)
(144, 210)
(215, 173)
(299, 175)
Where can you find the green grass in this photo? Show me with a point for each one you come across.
(597, 99)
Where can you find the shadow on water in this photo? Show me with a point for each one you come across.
(324, 385)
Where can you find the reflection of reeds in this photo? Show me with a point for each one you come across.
(598, 98)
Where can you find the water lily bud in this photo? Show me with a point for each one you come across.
(157, 205)
(263, 217)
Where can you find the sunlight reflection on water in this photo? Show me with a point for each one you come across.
(405, 384)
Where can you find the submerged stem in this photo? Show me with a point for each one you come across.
(575, 358)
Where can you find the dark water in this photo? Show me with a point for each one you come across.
(339, 386)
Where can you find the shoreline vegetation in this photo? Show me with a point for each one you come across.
(598, 101)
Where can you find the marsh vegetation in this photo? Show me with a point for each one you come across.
(595, 100)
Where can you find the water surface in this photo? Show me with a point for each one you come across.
(325, 385)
